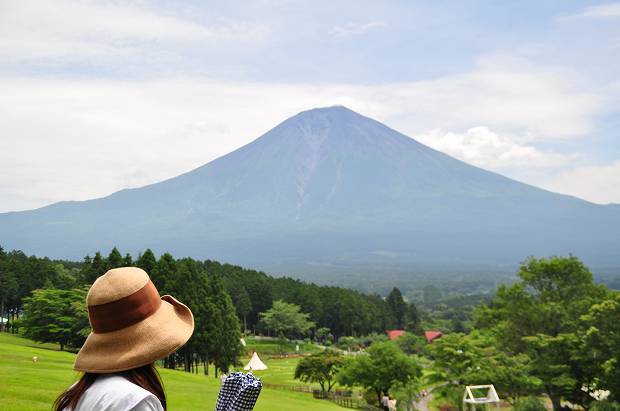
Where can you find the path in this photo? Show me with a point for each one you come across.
(422, 403)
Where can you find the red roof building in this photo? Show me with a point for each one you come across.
(432, 335)
(394, 334)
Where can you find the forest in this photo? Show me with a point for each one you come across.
(226, 300)
(552, 334)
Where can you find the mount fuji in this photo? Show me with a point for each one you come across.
(329, 190)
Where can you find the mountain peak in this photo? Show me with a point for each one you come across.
(331, 186)
(328, 110)
(332, 113)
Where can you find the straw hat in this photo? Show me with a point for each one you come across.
(131, 325)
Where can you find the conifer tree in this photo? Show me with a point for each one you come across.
(98, 267)
(128, 260)
(398, 306)
(242, 302)
(115, 259)
(163, 275)
(228, 348)
(147, 261)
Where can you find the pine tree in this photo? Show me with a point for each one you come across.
(163, 276)
(412, 322)
(115, 259)
(85, 268)
(398, 306)
(98, 267)
(228, 348)
(242, 302)
(147, 261)
(127, 261)
(8, 287)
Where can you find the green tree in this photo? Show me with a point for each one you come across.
(602, 339)
(320, 368)
(63, 278)
(8, 287)
(380, 368)
(164, 274)
(128, 260)
(51, 315)
(324, 336)
(286, 319)
(98, 267)
(411, 344)
(511, 375)
(540, 316)
(147, 261)
(115, 259)
(456, 358)
(398, 307)
(412, 323)
(227, 349)
(407, 394)
(242, 303)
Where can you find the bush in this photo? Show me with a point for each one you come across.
(529, 404)
(605, 406)
(370, 396)
(451, 397)
(348, 343)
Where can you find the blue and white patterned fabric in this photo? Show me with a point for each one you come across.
(239, 392)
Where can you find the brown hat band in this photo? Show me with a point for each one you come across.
(130, 310)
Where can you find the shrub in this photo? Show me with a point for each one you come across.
(605, 406)
(529, 404)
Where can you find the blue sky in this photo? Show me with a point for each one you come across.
(103, 95)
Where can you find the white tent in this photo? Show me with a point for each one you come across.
(255, 364)
(470, 400)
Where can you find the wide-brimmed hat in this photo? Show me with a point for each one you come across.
(131, 324)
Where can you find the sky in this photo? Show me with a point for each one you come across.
(97, 96)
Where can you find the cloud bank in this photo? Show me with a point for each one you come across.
(129, 93)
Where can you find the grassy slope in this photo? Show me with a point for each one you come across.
(28, 386)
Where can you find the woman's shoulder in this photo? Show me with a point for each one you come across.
(114, 392)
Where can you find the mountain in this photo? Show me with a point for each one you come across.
(329, 190)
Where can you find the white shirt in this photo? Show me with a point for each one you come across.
(115, 393)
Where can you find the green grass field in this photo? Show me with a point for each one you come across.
(273, 347)
(28, 386)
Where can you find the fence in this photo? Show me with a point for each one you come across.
(344, 398)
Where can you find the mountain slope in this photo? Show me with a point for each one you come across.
(328, 188)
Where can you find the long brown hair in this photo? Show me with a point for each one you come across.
(146, 377)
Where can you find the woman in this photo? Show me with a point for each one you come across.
(132, 327)
(392, 404)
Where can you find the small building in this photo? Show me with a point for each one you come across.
(432, 335)
(394, 334)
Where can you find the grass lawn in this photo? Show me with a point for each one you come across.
(273, 347)
(28, 386)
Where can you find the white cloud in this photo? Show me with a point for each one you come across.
(596, 183)
(75, 30)
(484, 148)
(59, 135)
(353, 29)
(602, 11)
(509, 96)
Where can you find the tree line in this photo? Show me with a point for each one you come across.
(344, 312)
(226, 300)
